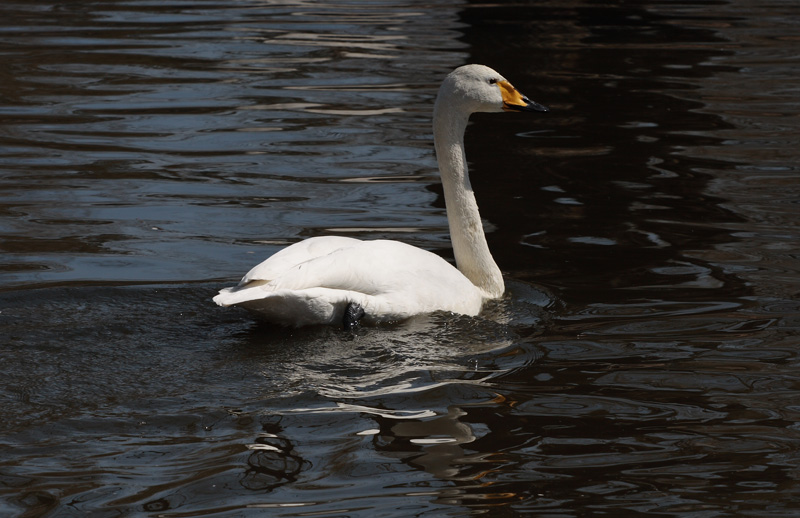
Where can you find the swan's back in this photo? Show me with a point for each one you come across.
(389, 280)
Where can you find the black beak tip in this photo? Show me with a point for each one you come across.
(536, 107)
(530, 107)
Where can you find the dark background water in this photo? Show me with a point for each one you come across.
(645, 362)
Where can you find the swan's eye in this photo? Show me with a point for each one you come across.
(492, 81)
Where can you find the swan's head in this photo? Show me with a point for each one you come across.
(478, 88)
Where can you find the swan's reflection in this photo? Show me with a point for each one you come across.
(440, 440)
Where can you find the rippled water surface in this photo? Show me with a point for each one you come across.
(643, 363)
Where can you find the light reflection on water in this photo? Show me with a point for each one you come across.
(158, 123)
(644, 361)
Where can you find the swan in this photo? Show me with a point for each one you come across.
(330, 279)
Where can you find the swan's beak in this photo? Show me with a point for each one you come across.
(515, 101)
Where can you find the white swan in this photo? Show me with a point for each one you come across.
(326, 280)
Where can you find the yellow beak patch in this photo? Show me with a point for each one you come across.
(511, 97)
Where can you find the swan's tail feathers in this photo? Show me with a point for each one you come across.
(221, 298)
(289, 307)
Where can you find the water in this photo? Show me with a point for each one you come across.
(644, 362)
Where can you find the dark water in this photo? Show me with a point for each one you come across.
(645, 362)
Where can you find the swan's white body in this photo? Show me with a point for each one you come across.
(314, 281)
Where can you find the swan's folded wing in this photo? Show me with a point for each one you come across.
(389, 279)
(298, 253)
(402, 279)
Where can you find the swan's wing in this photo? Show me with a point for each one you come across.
(386, 277)
(389, 279)
(298, 253)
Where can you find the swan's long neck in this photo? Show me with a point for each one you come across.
(466, 229)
